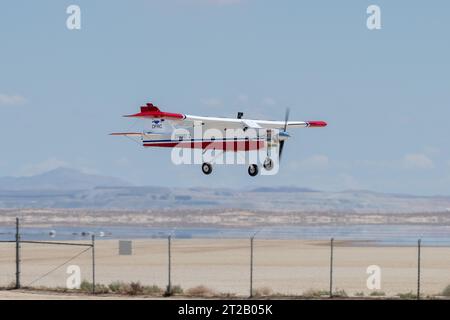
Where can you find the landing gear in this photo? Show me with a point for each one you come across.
(268, 164)
(253, 170)
(206, 168)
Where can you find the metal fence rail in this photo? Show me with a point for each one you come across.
(18, 262)
(258, 265)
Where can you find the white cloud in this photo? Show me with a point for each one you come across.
(375, 164)
(431, 151)
(242, 98)
(318, 161)
(269, 101)
(11, 100)
(212, 102)
(417, 161)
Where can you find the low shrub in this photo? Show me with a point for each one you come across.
(446, 291)
(87, 287)
(377, 294)
(200, 291)
(408, 295)
(153, 290)
(340, 294)
(176, 289)
(262, 292)
(311, 293)
(135, 289)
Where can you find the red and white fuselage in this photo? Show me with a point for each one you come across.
(169, 130)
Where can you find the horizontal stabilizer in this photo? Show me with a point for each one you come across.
(132, 134)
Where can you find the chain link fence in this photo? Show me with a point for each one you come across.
(7, 265)
(235, 266)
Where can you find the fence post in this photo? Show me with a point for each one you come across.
(419, 243)
(17, 254)
(331, 266)
(93, 264)
(251, 266)
(169, 265)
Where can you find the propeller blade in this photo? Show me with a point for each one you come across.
(286, 118)
(281, 149)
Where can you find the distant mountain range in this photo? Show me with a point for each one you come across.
(69, 188)
(59, 179)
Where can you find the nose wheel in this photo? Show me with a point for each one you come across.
(268, 164)
(206, 168)
(253, 170)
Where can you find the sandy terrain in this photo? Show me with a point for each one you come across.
(36, 295)
(284, 266)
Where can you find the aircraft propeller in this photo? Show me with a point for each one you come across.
(284, 133)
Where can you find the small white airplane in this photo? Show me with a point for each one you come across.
(176, 130)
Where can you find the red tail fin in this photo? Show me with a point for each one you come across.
(152, 111)
(150, 108)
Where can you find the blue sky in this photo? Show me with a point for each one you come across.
(384, 93)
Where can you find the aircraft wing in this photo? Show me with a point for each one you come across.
(290, 124)
(230, 123)
(251, 124)
(149, 111)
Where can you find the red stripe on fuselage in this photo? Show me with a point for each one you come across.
(218, 145)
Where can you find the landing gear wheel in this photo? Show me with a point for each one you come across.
(268, 164)
(253, 170)
(206, 168)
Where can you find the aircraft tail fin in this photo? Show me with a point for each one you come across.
(150, 107)
(152, 111)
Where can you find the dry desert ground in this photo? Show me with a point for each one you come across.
(288, 267)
